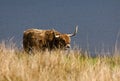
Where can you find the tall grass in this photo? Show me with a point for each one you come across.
(16, 65)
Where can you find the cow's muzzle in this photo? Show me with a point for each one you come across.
(67, 46)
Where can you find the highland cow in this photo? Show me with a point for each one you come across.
(37, 39)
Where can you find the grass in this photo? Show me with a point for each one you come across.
(15, 65)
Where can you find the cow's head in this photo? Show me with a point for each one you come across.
(64, 39)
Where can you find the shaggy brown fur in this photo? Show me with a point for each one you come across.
(36, 39)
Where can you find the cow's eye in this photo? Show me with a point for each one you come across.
(63, 41)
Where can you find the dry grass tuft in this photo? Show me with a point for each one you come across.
(56, 66)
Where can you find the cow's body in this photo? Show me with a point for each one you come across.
(37, 39)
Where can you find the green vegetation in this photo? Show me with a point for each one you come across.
(16, 65)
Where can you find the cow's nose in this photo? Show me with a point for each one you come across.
(68, 46)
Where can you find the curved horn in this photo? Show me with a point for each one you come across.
(75, 32)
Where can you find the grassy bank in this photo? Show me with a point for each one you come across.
(58, 65)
